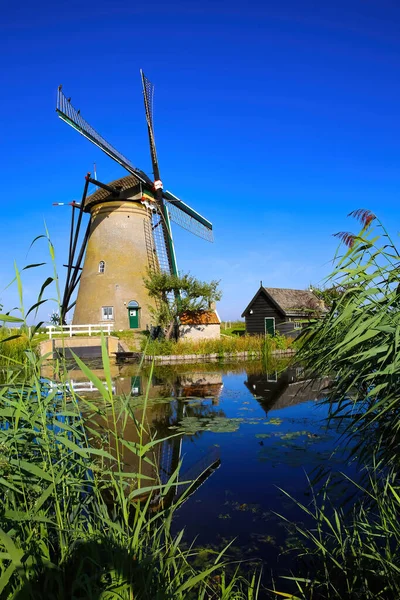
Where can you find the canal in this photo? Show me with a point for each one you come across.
(253, 436)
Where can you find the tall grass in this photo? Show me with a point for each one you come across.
(75, 519)
(355, 554)
(13, 345)
(222, 346)
(84, 512)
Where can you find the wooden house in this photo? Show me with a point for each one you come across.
(281, 310)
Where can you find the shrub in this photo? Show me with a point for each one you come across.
(355, 554)
(221, 346)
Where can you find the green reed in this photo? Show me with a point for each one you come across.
(83, 511)
(256, 344)
(354, 553)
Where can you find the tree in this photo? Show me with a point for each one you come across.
(177, 294)
(330, 294)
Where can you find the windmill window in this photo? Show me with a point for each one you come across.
(107, 313)
(102, 266)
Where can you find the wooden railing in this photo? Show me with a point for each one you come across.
(77, 386)
(70, 330)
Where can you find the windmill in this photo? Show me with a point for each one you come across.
(116, 252)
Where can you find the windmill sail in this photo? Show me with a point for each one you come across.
(163, 263)
(72, 117)
(164, 224)
(148, 96)
(189, 219)
(167, 207)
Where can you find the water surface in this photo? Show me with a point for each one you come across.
(251, 434)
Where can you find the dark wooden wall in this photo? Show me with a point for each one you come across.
(287, 329)
(261, 308)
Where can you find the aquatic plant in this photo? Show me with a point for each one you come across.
(355, 553)
(75, 520)
(13, 345)
(84, 511)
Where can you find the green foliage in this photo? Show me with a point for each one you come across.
(14, 344)
(177, 294)
(83, 511)
(357, 555)
(352, 556)
(133, 339)
(280, 341)
(358, 340)
(18, 345)
(330, 294)
(75, 519)
(235, 328)
(222, 346)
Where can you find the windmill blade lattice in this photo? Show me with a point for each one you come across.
(163, 262)
(164, 206)
(72, 117)
(148, 93)
(186, 221)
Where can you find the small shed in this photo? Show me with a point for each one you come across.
(200, 324)
(281, 310)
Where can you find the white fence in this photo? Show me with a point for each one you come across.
(70, 330)
(78, 386)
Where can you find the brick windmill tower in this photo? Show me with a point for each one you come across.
(128, 233)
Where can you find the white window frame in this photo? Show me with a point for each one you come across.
(102, 267)
(106, 314)
(297, 325)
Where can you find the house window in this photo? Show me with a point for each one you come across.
(107, 313)
(102, 266)
(297, 325)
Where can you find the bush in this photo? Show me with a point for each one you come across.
(76, 521)
(354, 554)
(222, 346)
(13, 345)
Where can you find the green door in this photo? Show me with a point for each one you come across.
(136, 385)
(270, 326)
(133, 318)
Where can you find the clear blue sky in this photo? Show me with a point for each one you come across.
(273, 119)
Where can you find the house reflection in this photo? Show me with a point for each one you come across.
(275, 390)
(199, 385)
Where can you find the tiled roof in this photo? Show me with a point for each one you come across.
(199, 317)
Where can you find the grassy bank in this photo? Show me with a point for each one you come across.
(233, 328)
(85, 512)
(14, 343)
(260, 345)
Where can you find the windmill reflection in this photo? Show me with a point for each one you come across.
(169, 401)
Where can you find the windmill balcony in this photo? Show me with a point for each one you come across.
(71, 330)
